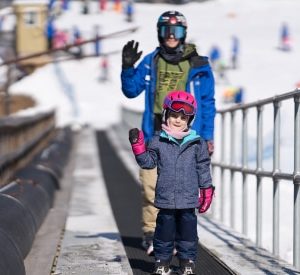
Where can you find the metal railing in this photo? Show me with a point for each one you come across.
(275, 174)
(20, 138)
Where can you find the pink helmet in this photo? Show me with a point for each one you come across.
(180, 101)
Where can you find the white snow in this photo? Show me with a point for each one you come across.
(74, 90)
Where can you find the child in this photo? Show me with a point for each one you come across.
(183, 165)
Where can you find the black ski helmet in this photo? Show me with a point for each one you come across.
(171, 22)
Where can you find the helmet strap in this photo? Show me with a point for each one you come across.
(165, 115)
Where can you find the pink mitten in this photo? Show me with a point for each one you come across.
(205, 199)
(136, 138)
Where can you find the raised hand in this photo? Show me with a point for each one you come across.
(137, 141)
(130, 54)
(134, 135)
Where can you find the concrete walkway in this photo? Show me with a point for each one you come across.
(91, 242)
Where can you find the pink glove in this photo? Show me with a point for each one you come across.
(136, 138)
(210, 146)
(205, 199)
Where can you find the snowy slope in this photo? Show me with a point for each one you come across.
(264, 70)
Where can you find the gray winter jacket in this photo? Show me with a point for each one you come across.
(182, 169)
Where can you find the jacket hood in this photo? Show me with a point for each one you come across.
(189, 51)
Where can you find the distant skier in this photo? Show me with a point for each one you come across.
(65, 4)
(77, 39)
(221, 70)
(214, 55)
(97, 45)
(129, 11)
(50, 32)
(235, 49)
(60, 39)
(102, 5)
(239, 96)
(285, 39)
(85, 7)
(104, 68)
(117, 6)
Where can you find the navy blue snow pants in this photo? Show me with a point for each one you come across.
(176, 225)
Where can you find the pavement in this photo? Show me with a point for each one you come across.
(91, 243)
(80, 235)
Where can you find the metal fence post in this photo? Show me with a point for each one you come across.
(232, 162)
(259, 151)
(244, 166)
(276, 169)
(222, 189)
(296, 248)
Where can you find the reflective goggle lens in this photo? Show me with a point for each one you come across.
(178, 106)
(177, 31)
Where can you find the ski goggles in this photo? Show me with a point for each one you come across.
(177, 31)
(186, 108)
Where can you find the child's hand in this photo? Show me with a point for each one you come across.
(210, 147)
(205, 199)
(133, 135)
(136, 138)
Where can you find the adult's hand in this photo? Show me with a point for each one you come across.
(130, 54)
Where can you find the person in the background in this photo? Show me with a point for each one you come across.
(183, 184)
(214, 56)
(173, 65)
(77, 39)
(60, 39)
(50, 32)
(235, 49)
(129, 10)
(102, 5)
(104, 68)
(117, 5)
(51, 4)
(285, 39)
(85, 7)
(65, 5)
(97, 45)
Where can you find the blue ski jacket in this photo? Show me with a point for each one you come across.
(200, 84)
(181, 169)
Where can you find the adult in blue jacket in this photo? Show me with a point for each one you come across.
(174, 65)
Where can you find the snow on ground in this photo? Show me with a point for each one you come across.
(74, 90)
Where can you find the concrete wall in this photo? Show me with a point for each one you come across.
(26, 201)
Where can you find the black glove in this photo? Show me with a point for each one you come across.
(130, 54)
(133, 135)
